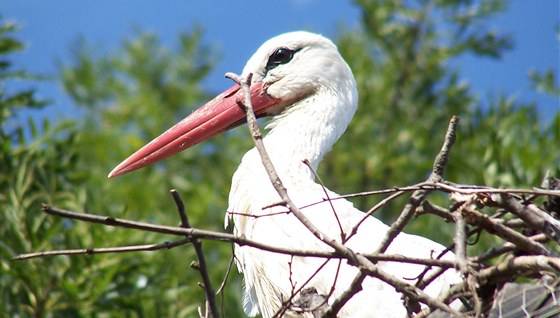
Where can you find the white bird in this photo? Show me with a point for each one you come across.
(301, 80)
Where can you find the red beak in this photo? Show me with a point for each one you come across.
(218, 115)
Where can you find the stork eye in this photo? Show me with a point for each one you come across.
(280, 56)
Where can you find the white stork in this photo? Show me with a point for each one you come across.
(301, 80)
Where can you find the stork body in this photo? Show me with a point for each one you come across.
(301, 80)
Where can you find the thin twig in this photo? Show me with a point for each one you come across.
(428, 207)
(372, 210)
(505, 232)
(425, 281)
(445, 187)
(518, 265)
(212, 308)
(224, 281)
(101, 250)
(179, 231)
(288, 302)
(471, 189)
(343, 237)
(226, 276)
(354, 288)
(505, 248)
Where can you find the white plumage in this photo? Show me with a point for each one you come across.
(301, 80)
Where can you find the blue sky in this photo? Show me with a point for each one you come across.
(237, 29)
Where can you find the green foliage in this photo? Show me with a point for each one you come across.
(408, 93)
(130, 97)
(33, 166)
(12, 101)
(127, 98)
(545, 83)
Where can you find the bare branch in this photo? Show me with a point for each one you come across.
(354, 288)
(472, 189)
(216, 236)
(443, 156)
(375, 208)
(101, 250)
(226, 276)
(443, 186)
(477, 218)
(287, 304)
(519, 265)
(212, 308)
(507, 247)
(343, 237)
(418, 196)
(428, 207)
(532, 215)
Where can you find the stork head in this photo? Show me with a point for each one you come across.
(286, 69)
(295, 65)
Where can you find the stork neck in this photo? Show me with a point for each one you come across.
(307, 131)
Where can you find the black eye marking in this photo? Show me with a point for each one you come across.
(280, 56)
